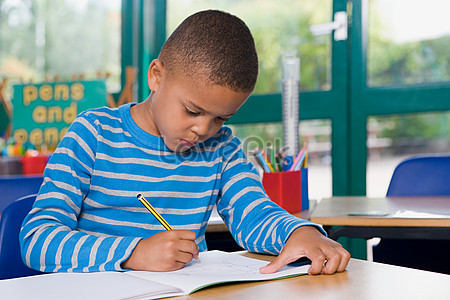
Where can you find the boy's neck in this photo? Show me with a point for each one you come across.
(142, 115)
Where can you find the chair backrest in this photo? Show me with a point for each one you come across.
(14, 187)
(11, 264)
(421, 176)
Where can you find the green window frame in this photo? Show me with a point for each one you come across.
(348, 103)
(365, 101)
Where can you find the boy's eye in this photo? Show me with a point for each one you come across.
(190, 112)
(193, 113)
(222, 119)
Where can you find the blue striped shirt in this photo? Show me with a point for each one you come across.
(87, 218)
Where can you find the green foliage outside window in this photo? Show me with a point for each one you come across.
(276, 26)
(393, 63)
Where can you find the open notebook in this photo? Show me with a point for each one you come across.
(215, 267)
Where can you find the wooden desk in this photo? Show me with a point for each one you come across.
(350, 213)
(362, 280)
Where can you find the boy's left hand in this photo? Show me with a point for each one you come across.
(326, 255)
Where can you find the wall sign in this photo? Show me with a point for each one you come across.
(42, 113)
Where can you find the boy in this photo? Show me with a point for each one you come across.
(174, 149)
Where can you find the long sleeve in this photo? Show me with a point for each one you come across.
(256, 223)
(50, 240)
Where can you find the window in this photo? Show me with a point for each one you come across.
(408, 70)
(277, 26)
(42, 39)
(408, 42)
(392, 139)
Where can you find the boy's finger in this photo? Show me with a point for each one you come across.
(317, 263)
(184, 234)
(271, 267)
(184, 257)
(344, 261)
(189, 246)
(280, 261)
(331, 265)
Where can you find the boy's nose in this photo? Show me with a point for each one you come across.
(202, 127)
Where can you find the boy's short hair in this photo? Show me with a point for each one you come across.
(215, 45)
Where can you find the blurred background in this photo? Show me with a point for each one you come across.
(367, 100)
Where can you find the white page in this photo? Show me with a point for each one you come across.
(215, 267)
(84, 286)
(417, 214)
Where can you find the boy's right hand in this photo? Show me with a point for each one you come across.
(165, 251)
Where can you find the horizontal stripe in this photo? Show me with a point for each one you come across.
(155, 163)
(111, 175)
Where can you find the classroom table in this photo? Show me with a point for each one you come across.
(361, 280)
(391, 217)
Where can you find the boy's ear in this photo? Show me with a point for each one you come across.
(155, 73)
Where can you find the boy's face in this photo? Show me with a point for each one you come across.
(185, 111)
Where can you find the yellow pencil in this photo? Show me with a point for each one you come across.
(154, 212)
(157, 215)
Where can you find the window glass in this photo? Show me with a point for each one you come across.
(394, 138)
(276, 26)
(408, 42)
(317, 133)
(63, 38)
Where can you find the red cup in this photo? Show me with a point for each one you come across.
(285, 189)
(33, 164)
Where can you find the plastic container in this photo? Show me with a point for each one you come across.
(33, 164)
(288, 189)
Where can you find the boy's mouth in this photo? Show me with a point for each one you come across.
(187, 143)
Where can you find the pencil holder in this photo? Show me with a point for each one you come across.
(288, 189)
(33, 164)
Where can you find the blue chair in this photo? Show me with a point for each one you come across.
(418, 176)
(11, 264)
(14, 187)
(421, 176)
